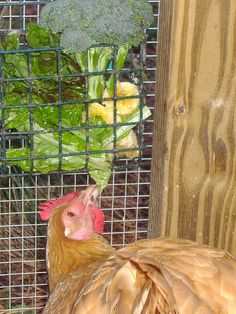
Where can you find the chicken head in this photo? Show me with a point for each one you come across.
(82, 218)
(80, 215)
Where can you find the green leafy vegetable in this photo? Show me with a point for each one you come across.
(86, 22)
(44, 97)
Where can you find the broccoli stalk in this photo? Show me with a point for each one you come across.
(98, 61)
(83, 23)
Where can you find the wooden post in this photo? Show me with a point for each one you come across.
(193, 186)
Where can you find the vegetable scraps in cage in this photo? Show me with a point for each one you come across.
(76, 100)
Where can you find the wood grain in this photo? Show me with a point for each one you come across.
(193, 187)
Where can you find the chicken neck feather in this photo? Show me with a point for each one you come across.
(64, 255)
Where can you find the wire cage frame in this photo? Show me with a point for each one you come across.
(26, 82)
(23, 277)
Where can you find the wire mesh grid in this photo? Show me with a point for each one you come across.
(49, 122)
(16, 14)
(23, 278)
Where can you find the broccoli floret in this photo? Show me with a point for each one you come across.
(71, 37)
(82, 23)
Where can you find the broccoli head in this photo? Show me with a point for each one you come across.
(83, 23)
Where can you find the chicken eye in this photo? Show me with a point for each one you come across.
(70, 214)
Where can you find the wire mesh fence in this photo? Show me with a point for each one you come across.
(125, 200)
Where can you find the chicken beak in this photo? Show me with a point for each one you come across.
(90, 195)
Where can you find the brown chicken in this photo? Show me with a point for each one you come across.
(86, 275)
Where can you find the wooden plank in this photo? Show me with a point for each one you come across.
(193, 186)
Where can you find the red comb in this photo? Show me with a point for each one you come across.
(47, 207)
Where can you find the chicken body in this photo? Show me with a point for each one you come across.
(155, 276)
(151, 276)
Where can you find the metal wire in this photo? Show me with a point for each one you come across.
(23, 278)
(29, 135)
